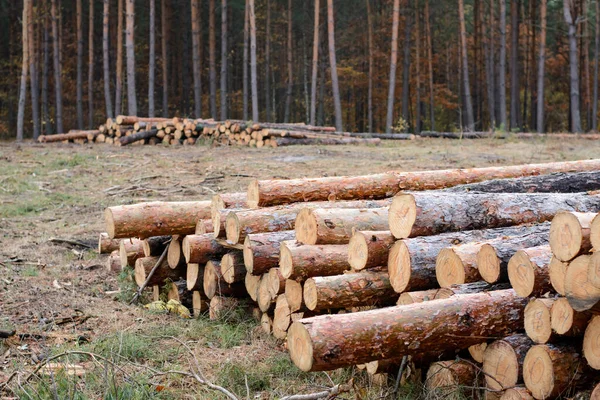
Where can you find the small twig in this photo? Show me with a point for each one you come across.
(334, 391)
(150, 274)
(400, 372)
(70, 242)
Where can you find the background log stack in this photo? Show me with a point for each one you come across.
(461, 281)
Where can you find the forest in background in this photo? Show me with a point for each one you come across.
(360, 65)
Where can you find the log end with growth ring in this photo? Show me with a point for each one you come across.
(232, 228)
(175, 253)
(252, 282)
(450, 375)
(556, 271)
(253, 194)
(538, 372)
(248, 255)
(358, 251)
(200, 303)
(591, 343)
(399, 266)
(449, 268)
(521, 273)
(477, 351)
(212, 278)
(263, 297)
(561, 316)
(286, 263)
(310, 294)
(282, 317)
(139, 273)
(110, 223)
(595, 232)
(500, 365)
(192, 275)
(516, 393)
(580, 291)
(537, 321)
(488, 263)
(566, 236)
(402, 215)
(594, 269)
(300, 346)
(305, 227)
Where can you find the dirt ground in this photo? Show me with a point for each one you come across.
(59, 297)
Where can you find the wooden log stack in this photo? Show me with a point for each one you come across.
(507, 284)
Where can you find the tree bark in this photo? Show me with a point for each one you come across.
(418, 124)
(339, 126)
(268, 112)
(406, 71)
(420, 214)
(299, 262)
(369, 249)
(164, 60)
(155, 245)
(56, 66)
(596, 51)
(370, 73)
(261, 250)
(465, 68)
(141, 135)
(224, 60)
(195, 5)
(253, 76)
(33, 75)
(79, 89)
(152, 57)
(393, 61)
(503, 361)
(515, 94)
(24, 71)
(315, 62)
(107, 245)
(106, 59)
(570, 19)
(288, 94)
(245, 62)
(119, 73)
(130, 45)
(91, 66)
(430, 65)
(212, 59)
(490, 69)
(334, 341)
(46, 122)
(129, 251)
(502, 67)
(155, 219)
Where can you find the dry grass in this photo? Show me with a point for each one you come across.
(61, 191)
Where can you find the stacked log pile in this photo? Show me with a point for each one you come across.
(353, 272)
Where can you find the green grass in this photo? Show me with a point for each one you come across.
(125, 345)
(30, 270)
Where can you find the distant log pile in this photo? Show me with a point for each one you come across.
(494, 292)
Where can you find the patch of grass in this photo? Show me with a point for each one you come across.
(234, 376)
(35, 203)
(124, 345)
(30, 270)
(127, 286)
(70, 161)
(222, 334)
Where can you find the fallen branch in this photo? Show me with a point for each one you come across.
(7, 334)
(152, 271)
(334, 391)
(70, 242)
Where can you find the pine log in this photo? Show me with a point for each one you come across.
(107, 245)
(517, 393)
(129, 251)
(594, 269)
(221, 306)
(157, 218)
(272, 219)
(263, 296)
(132, 119)
(72, 135)
(335, 226)
(503, 361)
(232, 267)
(595, 232)
(251, 282)
(195, 277)
(178, 291)
(369, 249)
(528, 271)
(200, 249)
(477, 351)
(566, 321)
(411, 262)
(556, 271)
(200, 303)
(228, 200)
(276, 282)
(141, 135)
(299, 262)
(445, 378)
(560, 182)
(175, 256)
(261, 250)
(365, 288)
(113, 262)
(266, 323)
(154, 246)
(204, 226)
(294, 295)
(385, 136)
(591, 343)
(334, 341)
(420, 214)
(282, 317)
(570, 234)
(215, 285)
(537, 320)
(421, 296)
(163, 273)
(580, 291)
(550, 369)
(273, 192)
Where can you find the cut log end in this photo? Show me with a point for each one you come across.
(139, 274)
(595, 232)
(310, 294)
(594, 269)
(399, 266)
(263, 297)
(402, 215)
(110, 223)
(521, 273)
(253, 194)
(358, 251)
(212, 278)
(248, 255)
(266, 323)
(449, 268)
(556, 271)
(192, 275)
(293, 294)
(500, 365)
(591, 343)
(175, 254)
(232, 228)
(300, 346)
(561, 316)
(286, 263)
(252, 282)
(538, 372)
(477, 351)
(281, 318)
(516, 393)
(582, 294)
(488, 263)
(306, 227)
(537, 320)
(566, 234)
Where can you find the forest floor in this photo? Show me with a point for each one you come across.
(60, 298)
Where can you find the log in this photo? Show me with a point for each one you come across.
(369, 249)
(141, 135)
(537, 320)
(252, 282)
(324, 141)
(157, 218)
(420, 296)
(556, 271)
(276, 282)
(550, 369)
(566, 321)
(215, 285)
(154, 246)
(263, 296)
(200, 249)
(232, 267)
(195, 277)
(595, 232)
(411, 262)
(579, 290)
(300, 262)
(334, 341)
(132, 119)
(591, 343)
(560, 182)
(517, 393)
(266, 323)
(200, 303)
(528, 271)
(503, 361)
(477, 351)
(113, 262)
(445, 378)
(261, 250)
(420, 214)
(203, 226)
(570, 234)
(72, 135)
(594, 269)
(335, 226)
(294, 295)
(163, 273)
(282, 317)
(385, 136)
(175, 256)
(274, 192)
(107, 245)
(178, 291)
(221, 306)
(272, 219)
(129, 251)
(360, 289)
(228, 200)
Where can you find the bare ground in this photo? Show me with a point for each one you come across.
(55, 295)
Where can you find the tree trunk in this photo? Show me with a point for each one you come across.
(299, 262)
(141, 135)
(245, 62)
(253, 76)
(164, 60)
(261, 250)
(370, 77)
(596, 51)
(130, 45)
(212, 59)
(503, 361)
(465, 61)
(430, 65)
(334, 341)
(46, 122)
(365, 288)
(288, 94)
(315, 62)
(273, 192)
(33, 75)
(195, 5)
(24, 70)
(339, 126)
(152, 57)
(406, 71)
(393, 61)
(155, 219)
(79, 89)
(119, 73)
(199, 249)
(91, 66)
(580, 290)
(491, 67)
(502, 67)
(106, 59)
(418, 124)
(224, 60)
(515, 94)
(570, 19)
(369, 249)
(56, 66)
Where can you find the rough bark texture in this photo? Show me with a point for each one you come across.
(56, 67)
(119, 67)
(470, 120)
(200, 303)
(421, 214)
(106, 59)
(537, 320)
(273, 192)
(195, 15)
(129, 251)
(503, 361)
(200, 249)
(330, 342)
(365, 288)
(164, 61)
(528, 271)
(79, 88)
(339, 126)
(129, 45)
(155, 219)
(315, 64)
(261, 250)
(151, 56)
(253, 75)
(106, 244)
(224, 60)
(393, 61)
(91, 65)
(144, 265)
(570, 234)
(541, 67)
(154, 246)
(299, 262)
(369, 249)
(135, 137)
(24, 71)
(571, 20)
(579, 289)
